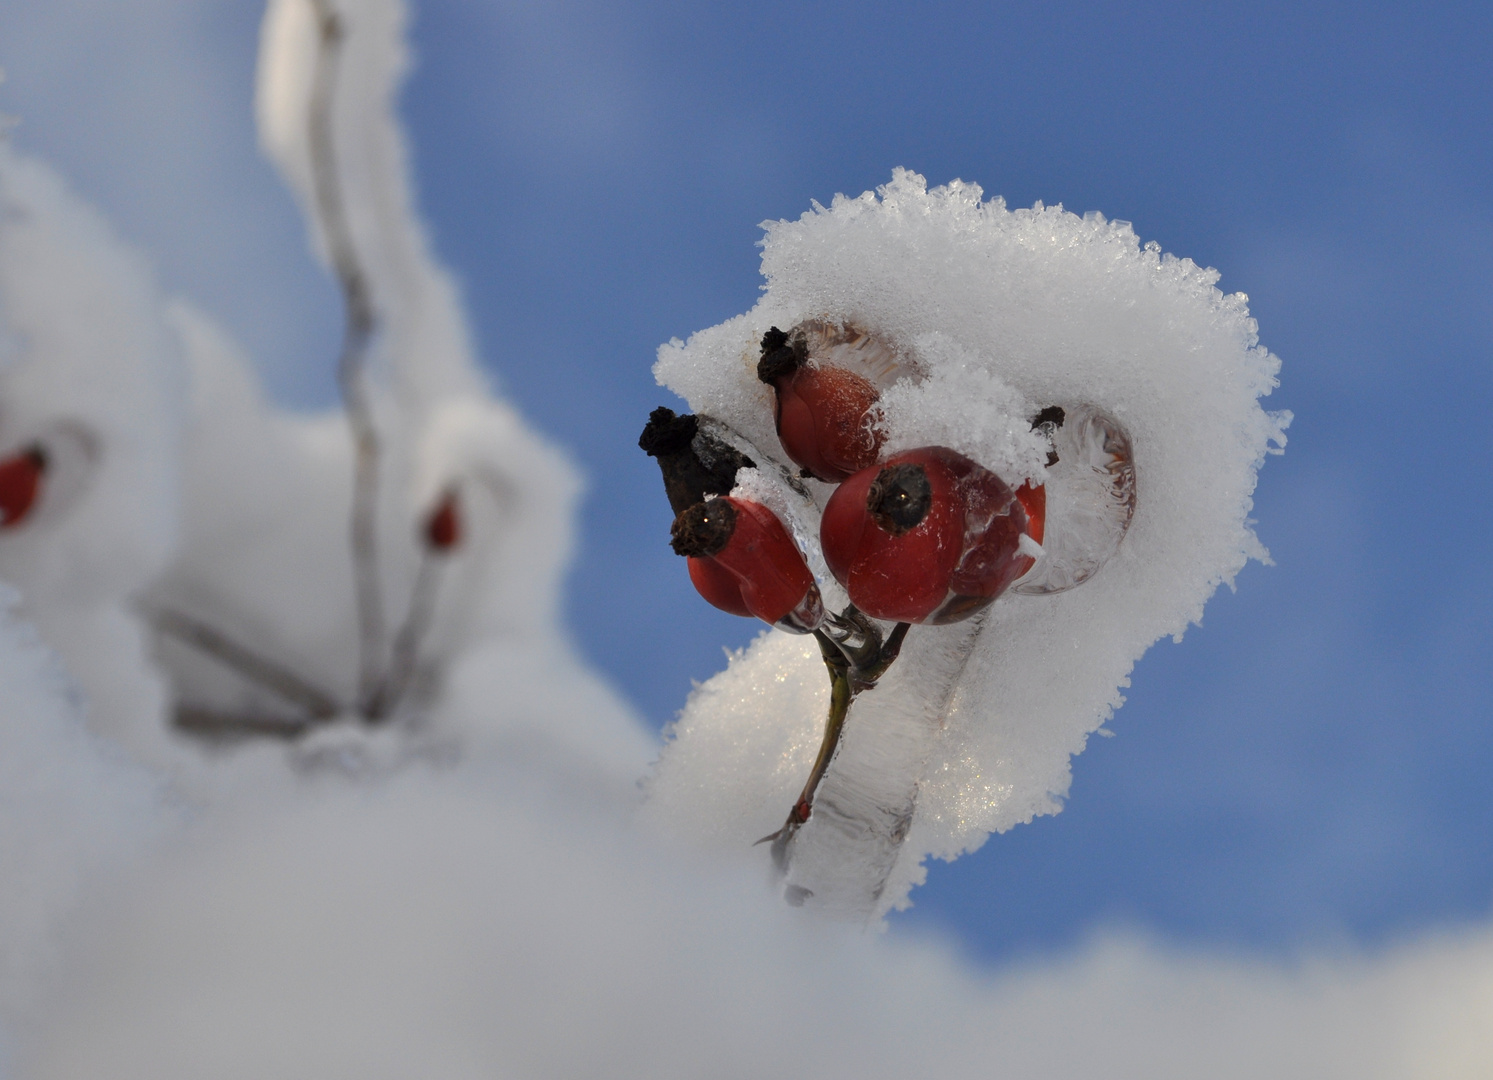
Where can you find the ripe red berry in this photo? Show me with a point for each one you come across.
(825, 382)
(742, 560)
(718, 586)
(20, 484)
(443, 526)
(928, 537)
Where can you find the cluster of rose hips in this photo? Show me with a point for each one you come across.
(925, 536)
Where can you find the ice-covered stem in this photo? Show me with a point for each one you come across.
(865, 676)
(863, 807)
(856, 636)
(263, 672)
(859, 639)
(352, 365)
(840, 695)
(856, 658)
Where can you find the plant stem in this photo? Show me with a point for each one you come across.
(839, 707)
(406, 650)
(257, 669)
(352, 377)
(864, 678)
(856, 658)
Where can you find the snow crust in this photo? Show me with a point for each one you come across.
(1002, 312)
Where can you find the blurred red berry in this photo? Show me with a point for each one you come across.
(20, 484)
(928, 537)
(730, 540)
(822, 411)
(443, 526)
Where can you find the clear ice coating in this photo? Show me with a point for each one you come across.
(1090, 501)
(842, 344)
(980, 318)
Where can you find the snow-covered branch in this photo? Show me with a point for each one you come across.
(361, 322)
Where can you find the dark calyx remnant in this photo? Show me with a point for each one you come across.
(703, 529)
(694, 463)
(1048, 421)
(781, 355)
(899, 497)
(1053, 415)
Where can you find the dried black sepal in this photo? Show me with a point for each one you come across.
(899, 497)
(703, 529)
(1053, 415)
(667, 432)
(694, 463)
(782, 354)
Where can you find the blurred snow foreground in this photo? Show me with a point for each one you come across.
(268, 809)
(182, 516)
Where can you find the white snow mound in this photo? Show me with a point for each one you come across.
(71, 808)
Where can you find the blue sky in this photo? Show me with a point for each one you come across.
(1313, 763)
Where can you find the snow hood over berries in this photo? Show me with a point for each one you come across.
(998, 314)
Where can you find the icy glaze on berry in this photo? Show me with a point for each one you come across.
(990, 561)
(823, 421)
(744, 541)
(929, 537)
(1033, 500)
(826, 379)
(719, 587)
(1091, 482)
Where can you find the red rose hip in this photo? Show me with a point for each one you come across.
(718, 586)
(742, 560)
(928, 537)
(826, 381)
